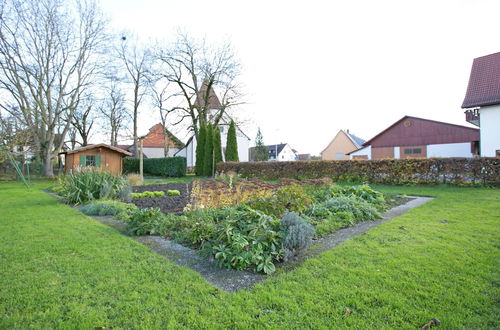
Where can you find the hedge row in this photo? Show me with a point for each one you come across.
(458, 171)
(171, 166)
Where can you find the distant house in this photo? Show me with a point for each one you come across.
(95, 155)
(412, 137)
(278, 152)
(214, 105)
(482, 101)
(155, 141)
(342, 144)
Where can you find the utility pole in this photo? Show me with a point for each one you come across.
(141, 157)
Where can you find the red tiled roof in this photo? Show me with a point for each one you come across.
(484, 82)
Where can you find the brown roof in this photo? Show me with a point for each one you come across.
(201, 98)
(100, 145)
(419, 131)
(484, 82)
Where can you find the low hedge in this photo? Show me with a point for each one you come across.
(458, 171)
(171, 166)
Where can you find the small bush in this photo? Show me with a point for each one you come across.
(148, 194)
(91, 184)
(173, 192)
(125, 194)
(333, 222)
(299, 235)
(146, 221)
(134, 179)
(120, 210)
(290, 198)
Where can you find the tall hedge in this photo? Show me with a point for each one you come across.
(232, 144)
(170, 166)
(208, 160)
(200, 149)
(217, 146)
(457, 171)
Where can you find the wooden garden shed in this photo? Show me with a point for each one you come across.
(95, 155)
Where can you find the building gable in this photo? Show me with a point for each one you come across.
(413, 131)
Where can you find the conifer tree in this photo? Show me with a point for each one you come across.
(200, 149)
(208, 161)
(232, 144)
(261, 153)
(217, 146)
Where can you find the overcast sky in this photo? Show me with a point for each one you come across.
(311, 67)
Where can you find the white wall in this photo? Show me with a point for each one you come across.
(489, 118)
(287, 154)
(367, 151)
(449, 150)
(158, 152)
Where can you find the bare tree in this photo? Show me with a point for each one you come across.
(196, 70)
(48, 55)
(137, 61)
(84, 117)
(114, 111)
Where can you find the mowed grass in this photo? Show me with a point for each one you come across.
(61, 269)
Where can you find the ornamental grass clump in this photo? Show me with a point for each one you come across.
(91, 184)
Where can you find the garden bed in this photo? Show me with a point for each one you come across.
(167, 204)
(234, 280)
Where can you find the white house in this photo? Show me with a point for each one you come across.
(482, 101)
(281, 152)
(214, 106)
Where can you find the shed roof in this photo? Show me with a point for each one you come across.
(100, 145)
(484, 82)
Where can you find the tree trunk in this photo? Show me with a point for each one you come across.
(48, 170)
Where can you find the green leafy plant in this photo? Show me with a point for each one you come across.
(169, 166)
(173, 192)
(148, 194)
(145, 221)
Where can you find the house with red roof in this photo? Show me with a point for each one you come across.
(482, 102)
(158, 143)
(413, 137)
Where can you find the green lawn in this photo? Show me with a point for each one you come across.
(59, 268)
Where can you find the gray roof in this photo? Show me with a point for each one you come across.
(357, 141)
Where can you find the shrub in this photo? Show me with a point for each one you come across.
(91, 184)
(145, 221)
(200, 149)
(231, 144)
(246, 238)
(196, 228)
(288, 198)
(125, 194)
(458, 171)
(170, 167)
(357, 207)
(134, 179)
(365, 192)
(148, 194)
(120, 210)
(299, 235)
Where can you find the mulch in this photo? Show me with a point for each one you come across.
(167, 204)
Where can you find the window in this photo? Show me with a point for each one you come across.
(413, 151)
(497, 153)
(339, 155)
(90, 160)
